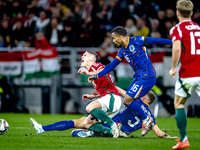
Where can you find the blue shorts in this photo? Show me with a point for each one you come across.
(141, 87)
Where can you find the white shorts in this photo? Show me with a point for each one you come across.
(110, 104)
(184, 86)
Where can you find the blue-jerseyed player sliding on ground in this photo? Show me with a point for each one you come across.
(126, 117)
(134, 51)
(129, 120)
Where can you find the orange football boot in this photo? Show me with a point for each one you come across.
(181, 145)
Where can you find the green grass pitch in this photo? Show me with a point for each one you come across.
(22, 136)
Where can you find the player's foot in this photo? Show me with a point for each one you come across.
(116, 127)
(37, 126)
(122, 134)
(84, 134)
(181, 145)
(146, 125)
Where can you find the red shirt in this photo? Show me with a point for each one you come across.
(43, 43)
(188, 33)
(103, 85)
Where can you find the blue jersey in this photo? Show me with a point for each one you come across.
(129, 120)
(137, 56)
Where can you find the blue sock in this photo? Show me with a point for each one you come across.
(135, 107)
(60, 126)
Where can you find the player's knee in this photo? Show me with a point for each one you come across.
(175, 104)
(126, 102)
(85, 123)
(179, 104)
(88, 109)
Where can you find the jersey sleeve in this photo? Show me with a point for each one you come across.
(175, 33)
(139, 40)
(120, 56)
(152, 40)
(109, 67)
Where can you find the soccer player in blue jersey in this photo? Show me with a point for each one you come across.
(129, 120)
(126, 117)
(135, 52)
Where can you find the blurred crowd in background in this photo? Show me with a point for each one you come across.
(83, 23)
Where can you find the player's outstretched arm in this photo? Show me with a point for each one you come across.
(86, 97)
(94, 72)
(161, 134)
(106, 70)
(152, 40)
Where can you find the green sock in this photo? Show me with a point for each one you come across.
(101, 115)
(100, 128)
(181, 121)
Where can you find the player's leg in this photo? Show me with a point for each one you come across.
(109, 103)
(139, 88)
(59, 126)
(81, 133)
(135, 107)
(100, 128)
(132, 104)
(94, 125)
(89, 120)
(181, 117)
(95, 130)
(182, 92)
(92, 105)
(86, 133)
(90, 132)
(181, 122)
(95, 109)
(101, 115)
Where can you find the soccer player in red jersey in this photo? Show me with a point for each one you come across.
(186, 48)
(130, 124)
(109, 102)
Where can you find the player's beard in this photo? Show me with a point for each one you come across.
(118, 44)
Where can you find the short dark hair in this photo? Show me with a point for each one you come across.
(94, 53)
(151, 97)
(119, 30)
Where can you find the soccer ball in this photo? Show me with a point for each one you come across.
(3, 126)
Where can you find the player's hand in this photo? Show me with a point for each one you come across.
(174, 137)
(92, 78)
(172, 72)
(169, 137)
(82, 71)
(85, 97)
